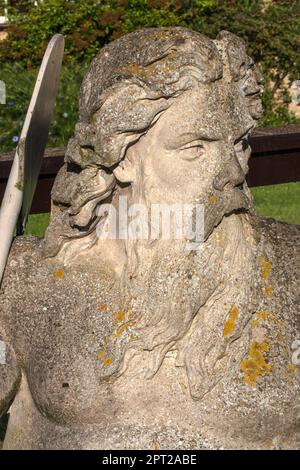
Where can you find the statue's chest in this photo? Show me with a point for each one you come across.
(64, 326)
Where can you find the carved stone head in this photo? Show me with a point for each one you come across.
(165, 116)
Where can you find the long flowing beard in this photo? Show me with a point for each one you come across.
(179, 297)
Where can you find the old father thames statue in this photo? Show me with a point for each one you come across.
(134, 342)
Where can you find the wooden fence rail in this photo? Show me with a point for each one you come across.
(275, 159)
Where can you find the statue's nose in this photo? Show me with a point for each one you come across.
(232, 173)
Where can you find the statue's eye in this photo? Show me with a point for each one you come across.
(191, 151)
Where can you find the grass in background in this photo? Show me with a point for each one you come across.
(37, 224)
(281, 201)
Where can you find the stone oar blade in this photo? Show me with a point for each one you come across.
(28, 157)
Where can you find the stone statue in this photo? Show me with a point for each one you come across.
(129, 343)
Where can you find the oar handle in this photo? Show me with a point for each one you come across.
(10, 209)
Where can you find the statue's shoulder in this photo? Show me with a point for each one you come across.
(281, 241)
(23, 262)
(25, 254)
(285, 237)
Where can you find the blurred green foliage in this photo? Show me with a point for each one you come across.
(19, 85)
(270, 29)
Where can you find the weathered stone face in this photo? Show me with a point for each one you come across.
(131, 99)
(122, 341)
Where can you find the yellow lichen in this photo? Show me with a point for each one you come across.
(268, 290)
(59, 274)
(268, 442)
(256, 364)
(213, 199)
(292, 369)
(106, 339)
(107, 361)
(132, 337)
(266, 267)
(262, 315)
(230, 323)
(254, 323)
(269, 317)
(122, 328)
(120, 316)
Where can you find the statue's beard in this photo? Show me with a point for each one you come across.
(171, 289)
(167, 286)
(141, 253)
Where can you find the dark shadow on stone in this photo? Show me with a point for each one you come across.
(3, 426)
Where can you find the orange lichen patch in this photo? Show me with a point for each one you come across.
(122, 328)
(213, 199)
(132, 337)
(107, 361)
(266, 267)
(254, 323)
(268, 290)
(59, 274)
(121, 316)
(262, 315)
(230, 323)
(256, 364)
(292, 369)
(269, 316)
(102, 307)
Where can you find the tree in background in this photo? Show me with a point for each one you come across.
(271, 30)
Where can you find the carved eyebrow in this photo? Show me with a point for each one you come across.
(193, 143)
(190, 138)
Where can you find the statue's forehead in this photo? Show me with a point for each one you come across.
(210, 113)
